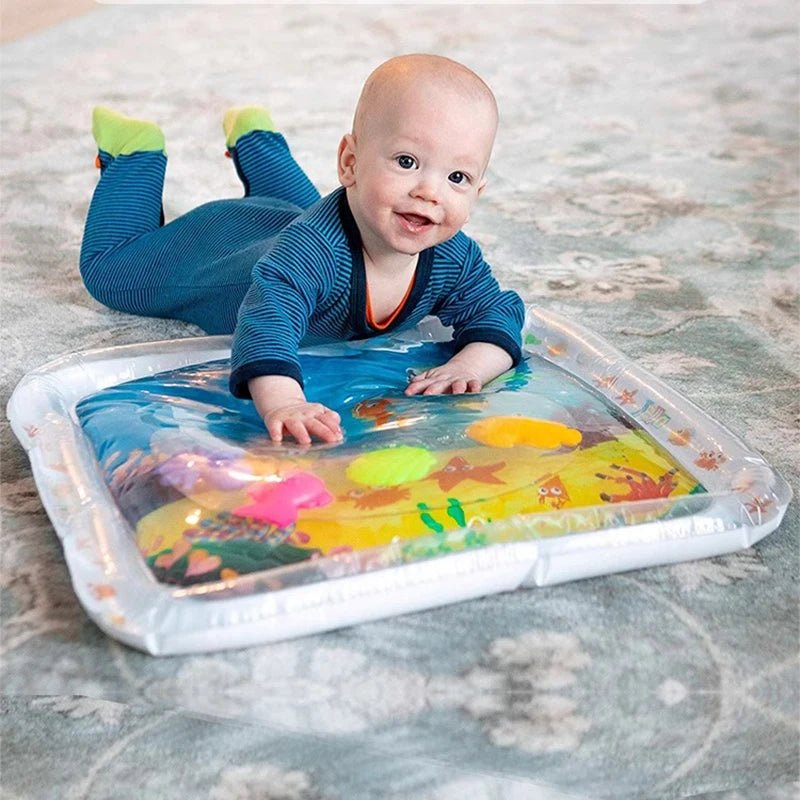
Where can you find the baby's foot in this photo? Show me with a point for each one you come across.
(119, 135)
(240, 120)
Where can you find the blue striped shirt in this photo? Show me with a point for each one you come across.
(311, 287)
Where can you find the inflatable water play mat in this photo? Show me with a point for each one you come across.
(186, 529)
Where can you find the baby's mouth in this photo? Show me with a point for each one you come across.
(416, 222)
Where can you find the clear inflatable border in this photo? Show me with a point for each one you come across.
(746, 500)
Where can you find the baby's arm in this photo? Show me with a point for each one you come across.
(467, 371)
(282, 405)
(487, 324)
(288, 283)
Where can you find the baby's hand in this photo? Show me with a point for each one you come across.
(303, 420)
(446, 379)
(467, 371)
(282, 405)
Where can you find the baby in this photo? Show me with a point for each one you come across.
(281, 266)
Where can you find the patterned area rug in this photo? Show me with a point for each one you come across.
(645, 182)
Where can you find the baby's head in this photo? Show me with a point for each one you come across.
(415, 162)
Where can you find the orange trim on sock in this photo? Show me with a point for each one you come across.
(97, 162)
(228, 154)
(383, 325)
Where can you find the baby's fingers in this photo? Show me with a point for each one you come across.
(438, 386)
(418, 385)
(458, 386)
(332, 420)
(275, 430)
(443, 386)
(297, 428)
(324, 431)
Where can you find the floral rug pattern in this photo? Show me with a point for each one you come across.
(645, 183)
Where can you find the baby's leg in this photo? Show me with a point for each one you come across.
(196, 268)
(126, 205)
(262, 158)
(127, 202)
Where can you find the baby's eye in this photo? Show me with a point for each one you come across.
(406, 162)
(457, 177)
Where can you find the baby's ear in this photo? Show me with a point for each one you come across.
(346, 160)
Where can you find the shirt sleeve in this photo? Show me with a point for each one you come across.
(288, 284)
(479, 310)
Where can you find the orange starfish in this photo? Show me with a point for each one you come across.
(459, 469)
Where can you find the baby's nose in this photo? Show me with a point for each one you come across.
(427, 189)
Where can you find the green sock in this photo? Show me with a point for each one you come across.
(240, 120)
(119, 135)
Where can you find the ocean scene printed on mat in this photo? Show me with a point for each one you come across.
(210, 497)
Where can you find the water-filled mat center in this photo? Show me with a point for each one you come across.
(210, 497)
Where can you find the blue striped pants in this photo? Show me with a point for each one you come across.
(197, 267)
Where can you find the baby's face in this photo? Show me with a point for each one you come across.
(417, 169)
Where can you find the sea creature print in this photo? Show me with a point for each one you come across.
(552, 491)
(681, 437)
(710, 460)
(278, 502)
(376, 498)
(458, 469)
(639, 484)
(377, 410)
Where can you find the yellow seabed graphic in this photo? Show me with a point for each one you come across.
(460, 487)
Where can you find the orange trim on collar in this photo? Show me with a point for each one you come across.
(393, 316)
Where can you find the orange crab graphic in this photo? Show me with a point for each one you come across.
(377, 498)
(710, 460)
(639, 484)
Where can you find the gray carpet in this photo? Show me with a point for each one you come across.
(645, 183)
